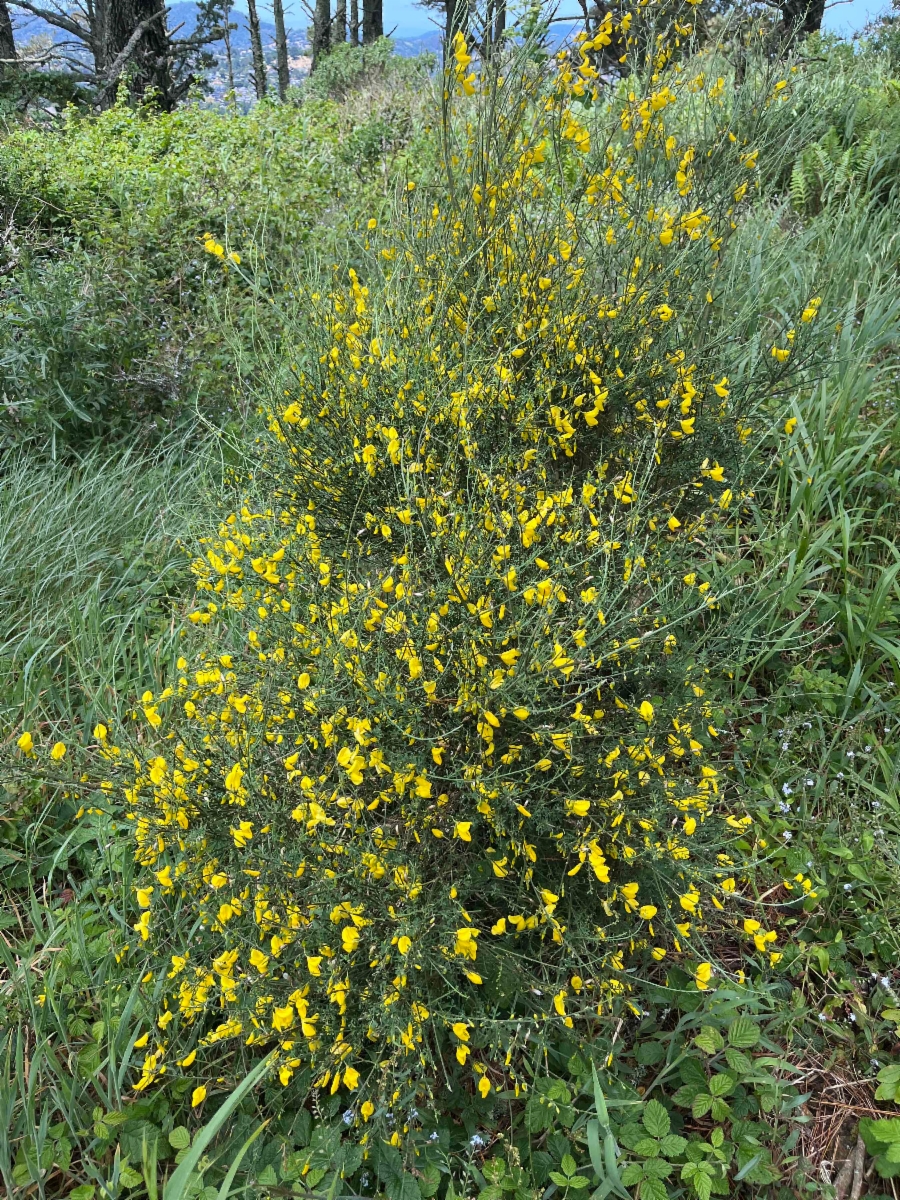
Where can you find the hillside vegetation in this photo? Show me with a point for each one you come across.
(450, 630)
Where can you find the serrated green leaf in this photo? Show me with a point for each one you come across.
(649, 1053)
(568, 1165)
(719, 1109)
(743, 1033)
(720, 1085)
(701, 1105)
(493, 1192)
(402, 1187)
(494, 1169)
(684, 1096)
(672, 1145)
(656, 1119)
(129, 1177)
(632, 1174)
(654, 1189)
(887, 1131)
(648, 1147)
(874, 1145)
(709, 1040)
(179, 1138)
(657, 1168)
(702, 1186)
(739, 1062)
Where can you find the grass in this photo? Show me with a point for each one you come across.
(93, 574)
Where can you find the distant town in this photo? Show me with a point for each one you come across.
(34, 35)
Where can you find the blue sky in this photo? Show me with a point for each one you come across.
(409, 19)
(850, 18)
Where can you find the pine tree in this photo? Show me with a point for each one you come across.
(373, 21)
(7, 40)
(321, 39)
(256, 50)
(281, 50)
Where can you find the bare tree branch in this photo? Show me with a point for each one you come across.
(115, 69)
(52, 17)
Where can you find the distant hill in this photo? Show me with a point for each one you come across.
(184, 13)
(182, 16)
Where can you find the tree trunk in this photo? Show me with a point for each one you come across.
(7, 41)
(457, 18)
(321, 31)
(259, 62)
(339, 25)
(136, 29)
(354, 22)
(499, 22)
(373, 21)
(800, 18)
(281, 50)
(228, 58)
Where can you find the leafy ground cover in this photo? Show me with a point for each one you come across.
(459, 758)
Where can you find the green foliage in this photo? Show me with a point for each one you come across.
(349, 69)
(111, 310)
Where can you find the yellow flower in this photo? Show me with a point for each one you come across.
(779, 354)
(404, 945)
(143, 896)
(702, 976)
(646, 711)
(350, 938)
(461, 1029)
(790, 425)
(234, 777)
(484, 1086)
(351, 1078)
(367, 1109)
(198, 1095)
(462, 830)
(283, 1018)
(58, 751)
(25, 742)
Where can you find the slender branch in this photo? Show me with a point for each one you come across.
(199, 39)
(125, 53)
(56, 18)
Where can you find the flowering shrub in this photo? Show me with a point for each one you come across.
(438, 772)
